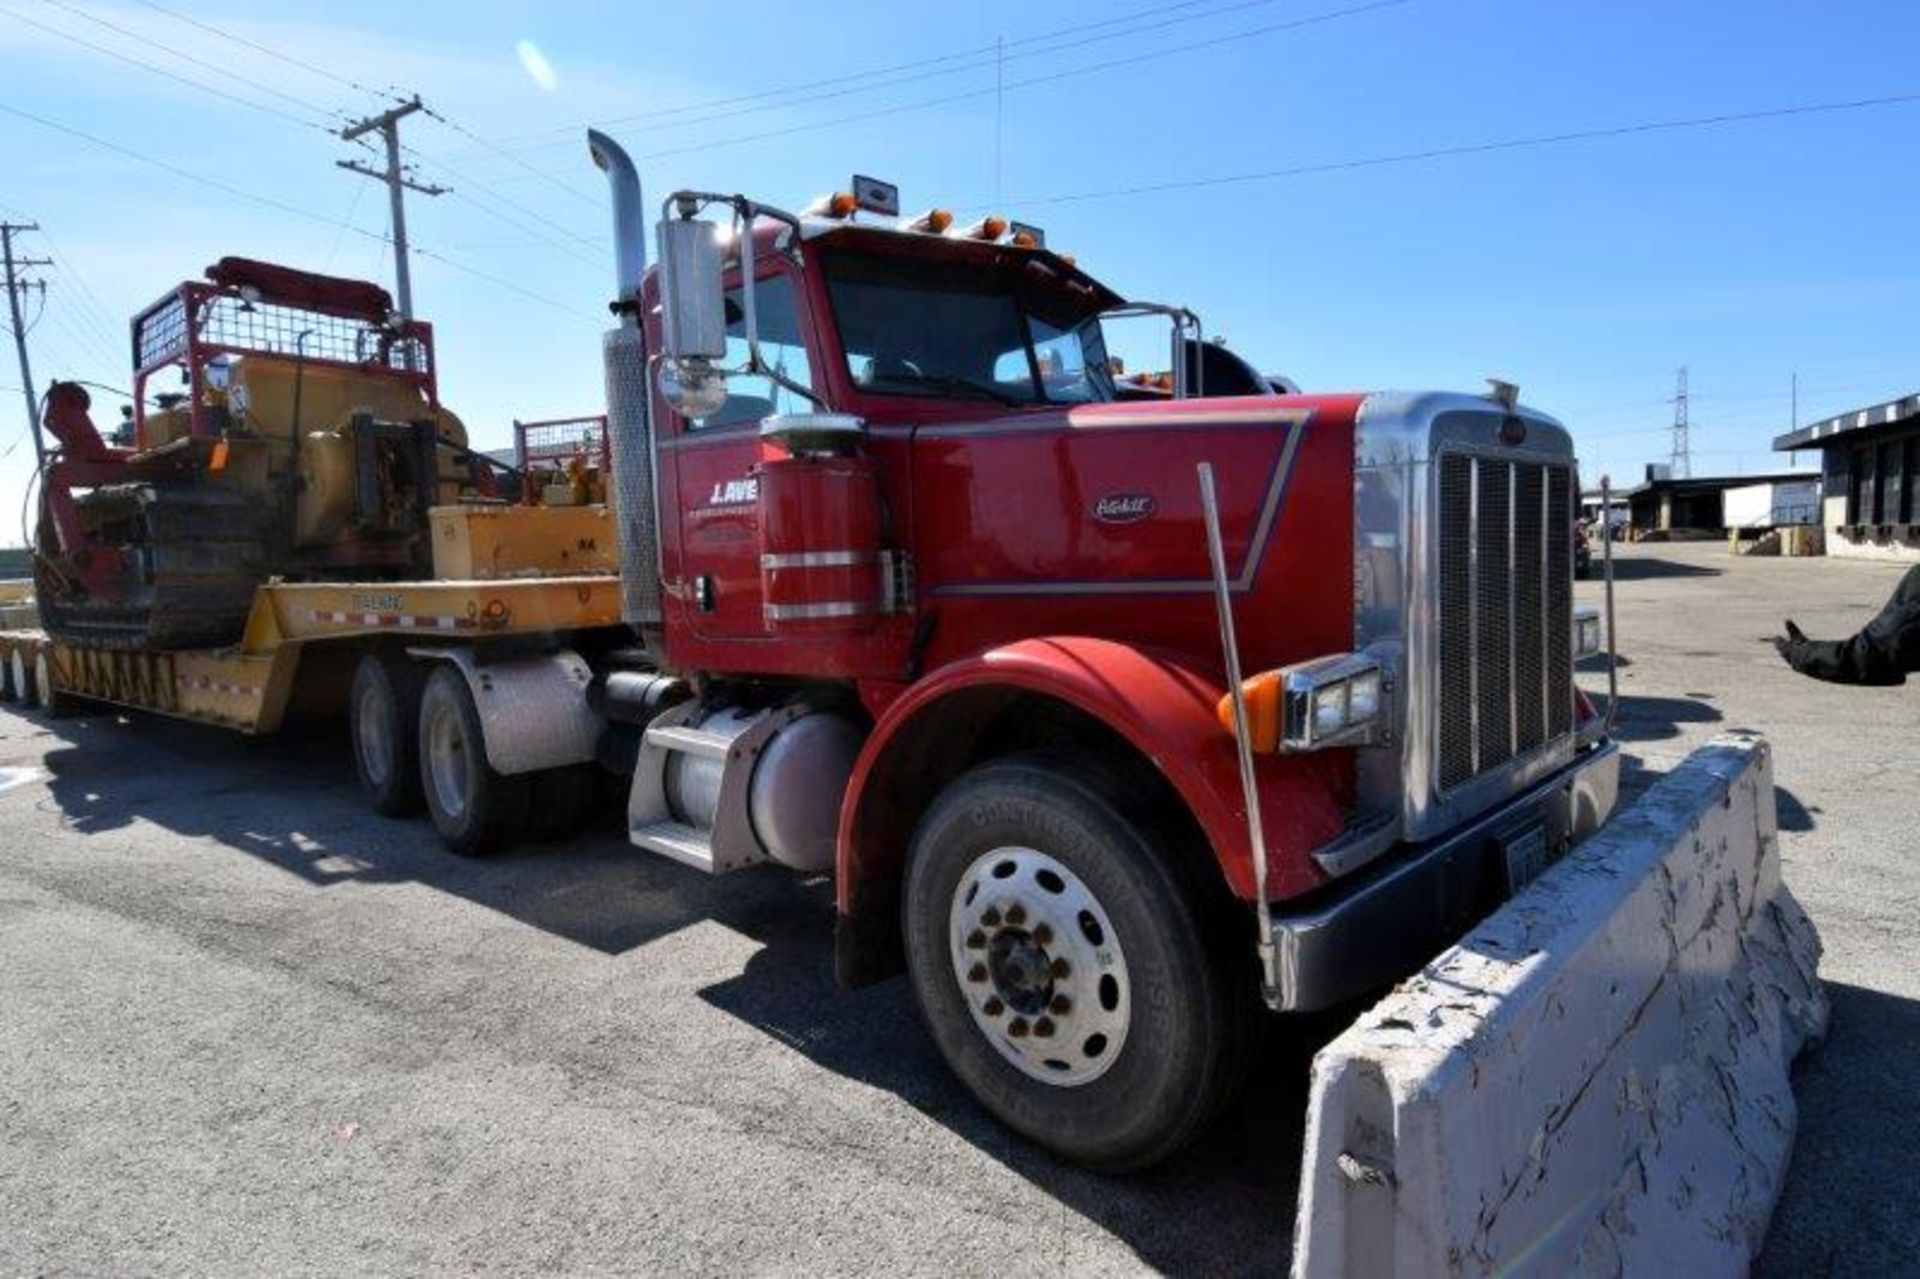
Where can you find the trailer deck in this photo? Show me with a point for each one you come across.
(247, 687)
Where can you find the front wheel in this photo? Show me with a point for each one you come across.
(1059, 952)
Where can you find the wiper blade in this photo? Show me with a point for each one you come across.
(955, 382)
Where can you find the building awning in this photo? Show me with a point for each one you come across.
(1857, 424)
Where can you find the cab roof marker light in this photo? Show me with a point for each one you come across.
(840, 204)
(991, 227)
(934, 221)
(1026, 236)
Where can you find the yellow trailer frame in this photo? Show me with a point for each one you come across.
(247, 687)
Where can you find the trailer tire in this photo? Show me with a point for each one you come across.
(563, 799)
(383, 724)
(476, 809)
(20, 678)
(7, 691)
(1059, 948)
(50, 701)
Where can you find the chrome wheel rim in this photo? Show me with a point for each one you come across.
(449, 761)
(1039, 964)
(374, 736)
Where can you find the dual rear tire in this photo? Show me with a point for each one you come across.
(418, 743)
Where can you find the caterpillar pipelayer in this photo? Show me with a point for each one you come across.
(306, 441)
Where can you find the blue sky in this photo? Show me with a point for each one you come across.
(1587, 272)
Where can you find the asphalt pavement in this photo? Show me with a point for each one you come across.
(248, 1027)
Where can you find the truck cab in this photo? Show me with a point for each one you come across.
(1117, 715)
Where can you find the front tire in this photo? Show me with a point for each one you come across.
(476, 809)
(1059, 951)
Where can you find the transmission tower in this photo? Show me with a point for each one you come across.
(1681, 463)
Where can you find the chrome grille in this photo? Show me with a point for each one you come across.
(1505, 567)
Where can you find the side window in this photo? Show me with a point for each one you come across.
(783, 346)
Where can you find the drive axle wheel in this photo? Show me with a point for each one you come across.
(1055, 940)
(383, 717)
(476, 809)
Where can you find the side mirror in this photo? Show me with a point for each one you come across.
(693, 312)
(693, 293)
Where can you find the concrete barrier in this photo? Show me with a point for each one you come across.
(1594, 1081)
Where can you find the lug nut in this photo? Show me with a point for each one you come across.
(977, 973)
(1016, 915)
(1061, 969)
(1043, 1028)
(1042, 934)
(1060, 1006)
(976, 940)
(991, 917)
(993, 1007)
(1018, 1028)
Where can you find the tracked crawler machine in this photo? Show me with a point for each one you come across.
(304, 440)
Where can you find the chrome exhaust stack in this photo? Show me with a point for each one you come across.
(635, 487)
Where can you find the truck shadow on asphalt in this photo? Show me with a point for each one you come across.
(1639, 569)
(1224, 1206)
(1658, 719)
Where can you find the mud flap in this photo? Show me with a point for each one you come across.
(533, 710)
(1595, 1081)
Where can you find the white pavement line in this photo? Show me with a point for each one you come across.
(1595, 1080)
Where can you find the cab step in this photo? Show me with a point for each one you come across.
(686, 844)
(690, 741)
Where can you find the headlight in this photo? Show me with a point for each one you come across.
(1335, 701)
(1587, 636)
(1329, 710)
(1363, 698)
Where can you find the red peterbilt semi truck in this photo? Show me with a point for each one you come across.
(930, 600)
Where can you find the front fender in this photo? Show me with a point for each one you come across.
(1160, 703)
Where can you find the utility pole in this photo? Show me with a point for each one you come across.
(387, 124)
(15, 287)
(1682, 459)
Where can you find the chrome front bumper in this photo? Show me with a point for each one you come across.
(1386, 921)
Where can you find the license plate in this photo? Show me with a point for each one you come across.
(1527, 853)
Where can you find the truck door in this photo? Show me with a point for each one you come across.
(715, 457)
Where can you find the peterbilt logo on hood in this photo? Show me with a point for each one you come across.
(1123, 508)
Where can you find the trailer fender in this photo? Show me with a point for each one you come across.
(1596, 1079)
(533, 709)
(1162, 708)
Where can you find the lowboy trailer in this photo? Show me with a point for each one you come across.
(1117, 713)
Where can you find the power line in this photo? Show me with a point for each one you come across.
(1051, 78)
(257, 47)
(223, 71)
(1477, 148)
(162, 71)
(295, 210)
(840, 86)
(875, 78)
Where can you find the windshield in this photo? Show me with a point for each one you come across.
(910, 326)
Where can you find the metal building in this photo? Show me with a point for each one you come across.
(1871, 460)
